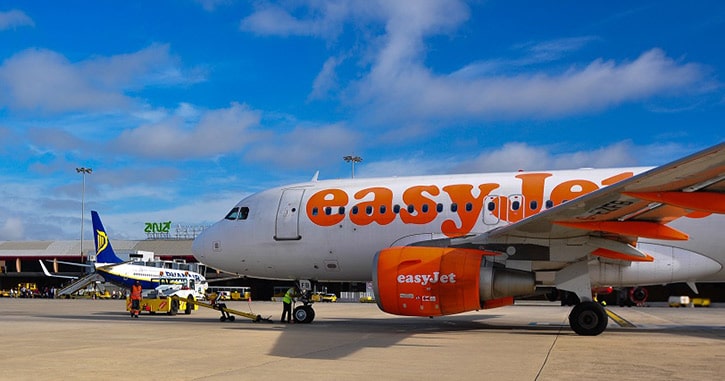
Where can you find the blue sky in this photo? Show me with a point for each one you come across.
(184, 107)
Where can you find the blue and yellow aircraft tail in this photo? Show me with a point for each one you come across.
(104, 250)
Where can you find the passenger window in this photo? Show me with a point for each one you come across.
(439, 208)
(382, 209)
(396, 209)
(549, 204)
(354, 209)
(315, 211)
(341, 210)
(469, 207)
(533, 205)
(515, 205)
(369, 210)
(328, 211)
(454, 207)
(424, 208)
(491, 206)
(411, 208)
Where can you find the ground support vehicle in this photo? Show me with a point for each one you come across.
(167, 305)
(227, 313)
(171, 296)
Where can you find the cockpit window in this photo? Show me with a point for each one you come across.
(238, 213)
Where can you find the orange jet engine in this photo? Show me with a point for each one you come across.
(436, 281)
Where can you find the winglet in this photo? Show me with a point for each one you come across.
(45, 270)
(104, 251)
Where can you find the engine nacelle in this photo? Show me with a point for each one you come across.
(435, 281)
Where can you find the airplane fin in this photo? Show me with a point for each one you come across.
(104, 250)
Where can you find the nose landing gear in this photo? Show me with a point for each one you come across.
(304, 314)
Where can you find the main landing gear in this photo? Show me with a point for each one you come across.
(588, 318)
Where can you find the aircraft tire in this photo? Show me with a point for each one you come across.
(303, 314)
(174, 307)
(189, 306)
(588, 319)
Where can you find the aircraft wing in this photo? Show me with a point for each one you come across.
(47, 273)
(614, 217)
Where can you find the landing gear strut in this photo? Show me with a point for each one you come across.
(304, 314)
(588, 318)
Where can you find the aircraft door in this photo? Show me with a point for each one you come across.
(491, 210)
(287, 224)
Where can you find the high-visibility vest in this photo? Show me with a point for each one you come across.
(136, 292)
(288, 296)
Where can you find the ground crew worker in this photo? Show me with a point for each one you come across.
(135, 299)
(287, 304)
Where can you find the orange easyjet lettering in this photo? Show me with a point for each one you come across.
(375, 210)
(327, 207)
(469, 208)
(423, 208)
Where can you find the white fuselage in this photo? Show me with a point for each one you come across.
(127, 273)
(331, 230)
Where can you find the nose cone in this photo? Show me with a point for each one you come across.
(199, 246)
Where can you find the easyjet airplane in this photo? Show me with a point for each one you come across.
(439, 245)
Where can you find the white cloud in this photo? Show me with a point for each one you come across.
(522, 156)
(320, 19)
(40, 79)
(419, 94)
(305, 147)
(216, 132)
(399, 88)
(14, 19)
(12, 229)
(326, 80)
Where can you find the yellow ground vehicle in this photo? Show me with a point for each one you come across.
(324, 297)
(167, 305)
(229, 293)
(171, 296)
(701, 302)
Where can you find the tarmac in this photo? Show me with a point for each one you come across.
(97, 339)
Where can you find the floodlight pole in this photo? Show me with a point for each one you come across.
(352, 159)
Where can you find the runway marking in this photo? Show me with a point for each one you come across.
(619, 320)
